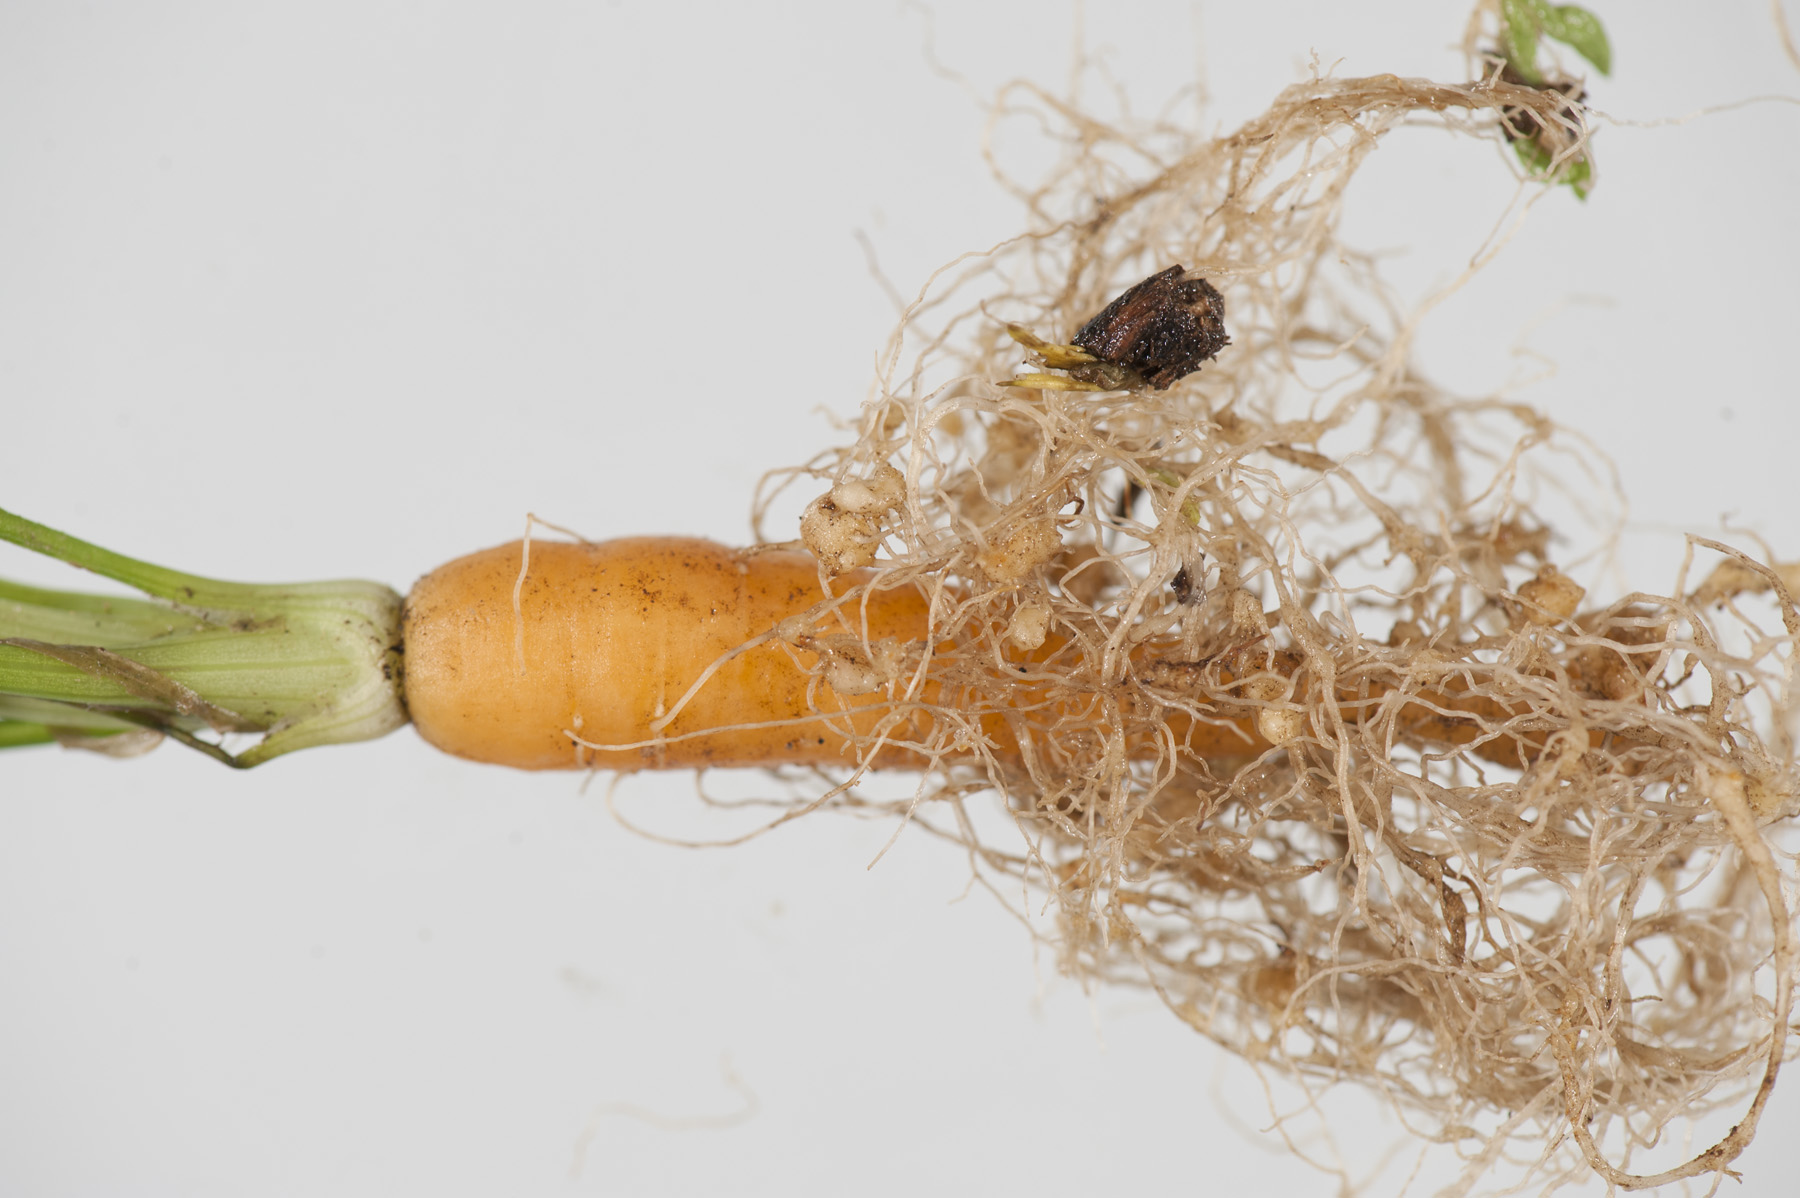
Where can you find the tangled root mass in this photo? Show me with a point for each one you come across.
(1301, 724)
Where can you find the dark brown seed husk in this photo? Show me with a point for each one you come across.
(1162, 329)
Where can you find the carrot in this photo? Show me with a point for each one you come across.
(605, 641)
(649, 652)
(663, 652)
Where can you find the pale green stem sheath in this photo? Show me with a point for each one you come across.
(14, 733)
(302, 664)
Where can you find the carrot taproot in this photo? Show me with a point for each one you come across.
(674, 652)
(656, 652)
(605, 640)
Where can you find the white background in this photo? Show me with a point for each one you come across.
(344, 289)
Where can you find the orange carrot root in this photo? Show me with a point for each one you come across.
(675, 653)
(614, 636)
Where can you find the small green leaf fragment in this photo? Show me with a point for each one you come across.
(1581, 31)
(1521, 26)
(1533, 157)
(1579, 174)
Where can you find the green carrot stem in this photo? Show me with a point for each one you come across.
(302, 663)
(17, 733)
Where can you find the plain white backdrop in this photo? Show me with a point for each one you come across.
(333, 289)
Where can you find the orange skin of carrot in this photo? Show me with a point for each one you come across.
(615, 633)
